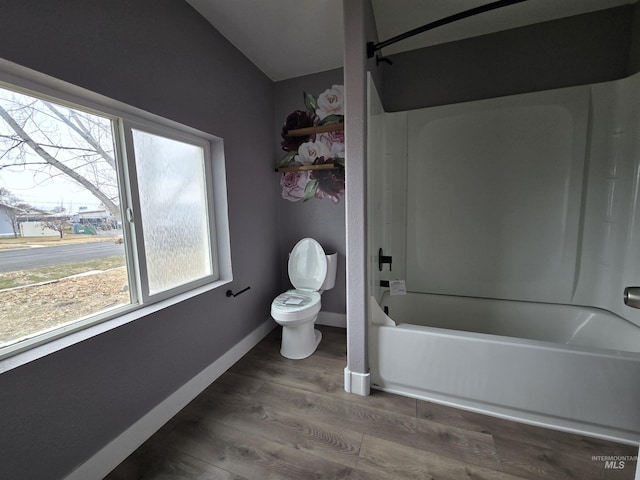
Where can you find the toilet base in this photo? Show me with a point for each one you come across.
(299, 341)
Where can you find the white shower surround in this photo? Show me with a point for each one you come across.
(517, 244)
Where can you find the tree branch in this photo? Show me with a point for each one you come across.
(107, 202)
(81, 130)
(25, 163)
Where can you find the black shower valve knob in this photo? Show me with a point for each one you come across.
(382, 259)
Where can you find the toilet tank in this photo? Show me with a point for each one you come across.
(330, 278)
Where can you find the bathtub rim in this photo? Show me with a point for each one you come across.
(552, 422)
(626, 437)
(378, 317)
(524, 342)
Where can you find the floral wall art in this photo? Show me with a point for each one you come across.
(313, 165)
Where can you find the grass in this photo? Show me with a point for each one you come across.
(23, 242)
(45, 274)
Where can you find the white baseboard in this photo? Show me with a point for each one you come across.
(358, 383)
(331, 319)
(121, 447)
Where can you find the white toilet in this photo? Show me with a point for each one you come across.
(311, 272)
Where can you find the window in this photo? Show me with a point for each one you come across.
(172, 197)
(103, 210)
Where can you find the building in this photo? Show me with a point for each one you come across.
(7, 214)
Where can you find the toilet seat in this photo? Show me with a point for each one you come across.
(294, 305)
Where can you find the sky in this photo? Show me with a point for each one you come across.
(47, 193)
(30, 184)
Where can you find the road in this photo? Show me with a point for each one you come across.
(35, 257)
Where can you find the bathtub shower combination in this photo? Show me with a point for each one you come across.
(515, 223)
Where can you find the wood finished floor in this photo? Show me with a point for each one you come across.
(273, 418)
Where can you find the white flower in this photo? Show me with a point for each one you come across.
(331, 102)
(309, 152)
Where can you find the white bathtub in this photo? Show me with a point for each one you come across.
(564, 367)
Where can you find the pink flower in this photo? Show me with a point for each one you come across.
(331, 137)
(334, 141)
(293, 184)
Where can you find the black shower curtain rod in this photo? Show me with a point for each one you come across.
(373, 47)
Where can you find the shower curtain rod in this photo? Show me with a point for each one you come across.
(373, 47)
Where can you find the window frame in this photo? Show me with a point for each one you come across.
(132, 214)
(123, 117)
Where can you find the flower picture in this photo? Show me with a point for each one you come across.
(315, 150)
(294, 185)
(331, 102)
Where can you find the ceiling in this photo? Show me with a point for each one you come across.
(291, 38)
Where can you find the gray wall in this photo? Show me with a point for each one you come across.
(319, 219)
(161, 56)
(578, 50)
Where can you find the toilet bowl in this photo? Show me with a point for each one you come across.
(311, 271)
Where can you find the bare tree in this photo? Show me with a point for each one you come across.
(42, 138)
(57, 223)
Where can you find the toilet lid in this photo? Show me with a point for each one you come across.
(307, 265)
